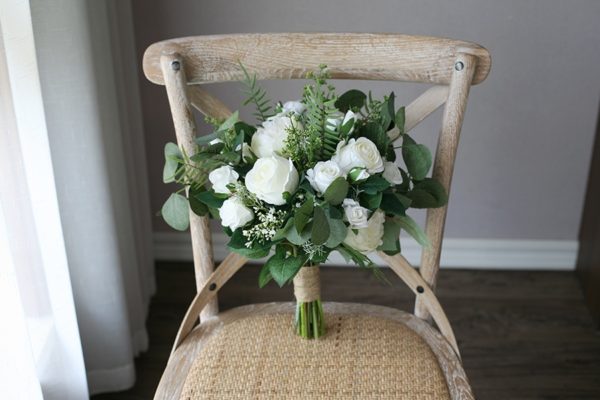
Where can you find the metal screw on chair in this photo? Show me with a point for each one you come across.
(176, 65)
(212, 286)
(420, 289)
(459, 66)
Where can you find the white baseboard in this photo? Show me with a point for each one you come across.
(558, 255)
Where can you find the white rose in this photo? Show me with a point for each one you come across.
(323, 173)
(356, 215)
(234, 213)
(270, 137)
(391, 173)
(221, 177)
(370, 238)
(359, 152)
(270, 177)
(293, 106)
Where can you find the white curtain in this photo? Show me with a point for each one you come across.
(75, 243)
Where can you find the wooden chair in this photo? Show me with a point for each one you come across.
(369, 351)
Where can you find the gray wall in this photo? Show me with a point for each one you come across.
(526, 142)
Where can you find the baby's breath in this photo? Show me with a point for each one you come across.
(313, 250)
(269, 221)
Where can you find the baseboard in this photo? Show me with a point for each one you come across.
(557, 255)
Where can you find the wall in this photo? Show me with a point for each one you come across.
(522, 165)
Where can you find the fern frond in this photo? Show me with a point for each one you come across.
(256, 95)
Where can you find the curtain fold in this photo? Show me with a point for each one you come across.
(83, 60)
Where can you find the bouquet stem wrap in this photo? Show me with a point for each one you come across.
(310, 323)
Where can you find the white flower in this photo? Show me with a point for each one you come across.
(293, 106)
(359, 152)
(322, 174)
(221, 177)
(356, 215)
(370, 238)
(270, 177)
(234, 213)
(391, 173)
(215, 141)
(334, 123)
(270, 137)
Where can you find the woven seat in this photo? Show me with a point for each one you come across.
(369, 352)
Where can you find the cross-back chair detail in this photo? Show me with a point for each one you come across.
(182, 65)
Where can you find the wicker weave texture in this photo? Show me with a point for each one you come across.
(361, 357)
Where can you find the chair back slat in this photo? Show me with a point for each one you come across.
(216, 58)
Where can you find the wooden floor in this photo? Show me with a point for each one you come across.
(522, 335)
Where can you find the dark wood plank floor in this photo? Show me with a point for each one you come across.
(523, 335)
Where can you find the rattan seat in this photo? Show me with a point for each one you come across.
(369, 352)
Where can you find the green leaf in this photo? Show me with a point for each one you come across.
(303, 214)
(337, 232)
(210, 198)
(284, 269)
(320, 229)
(176, 212)
(387, 112)
(400, 119)
(391, 204)
(391, 237)
(283, 231)
(374, 184)
(428, 193)
(299, 238)
(206, 139)
(336, 192)
(230, 121)
(237, 244)
(370, 201)
(196, 205)
(417, 159)
(173, 158)
(351, 99)
(264, 276)
(413, 229)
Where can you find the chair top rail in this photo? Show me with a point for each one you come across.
(370, 56)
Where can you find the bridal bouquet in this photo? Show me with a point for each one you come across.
(314, 176)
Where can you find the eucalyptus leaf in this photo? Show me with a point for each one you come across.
(176, 212)
(320, 229)
(303, 214)
(413, 229)
(173, 159)
(400, 119)
(210, 198)
(391, 237)
(337, 191)
(337, 233)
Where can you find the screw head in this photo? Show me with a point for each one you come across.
(420, 289)
(459, 66)
(176, 65)
(212, 286)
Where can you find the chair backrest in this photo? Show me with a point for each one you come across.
(185, 63)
